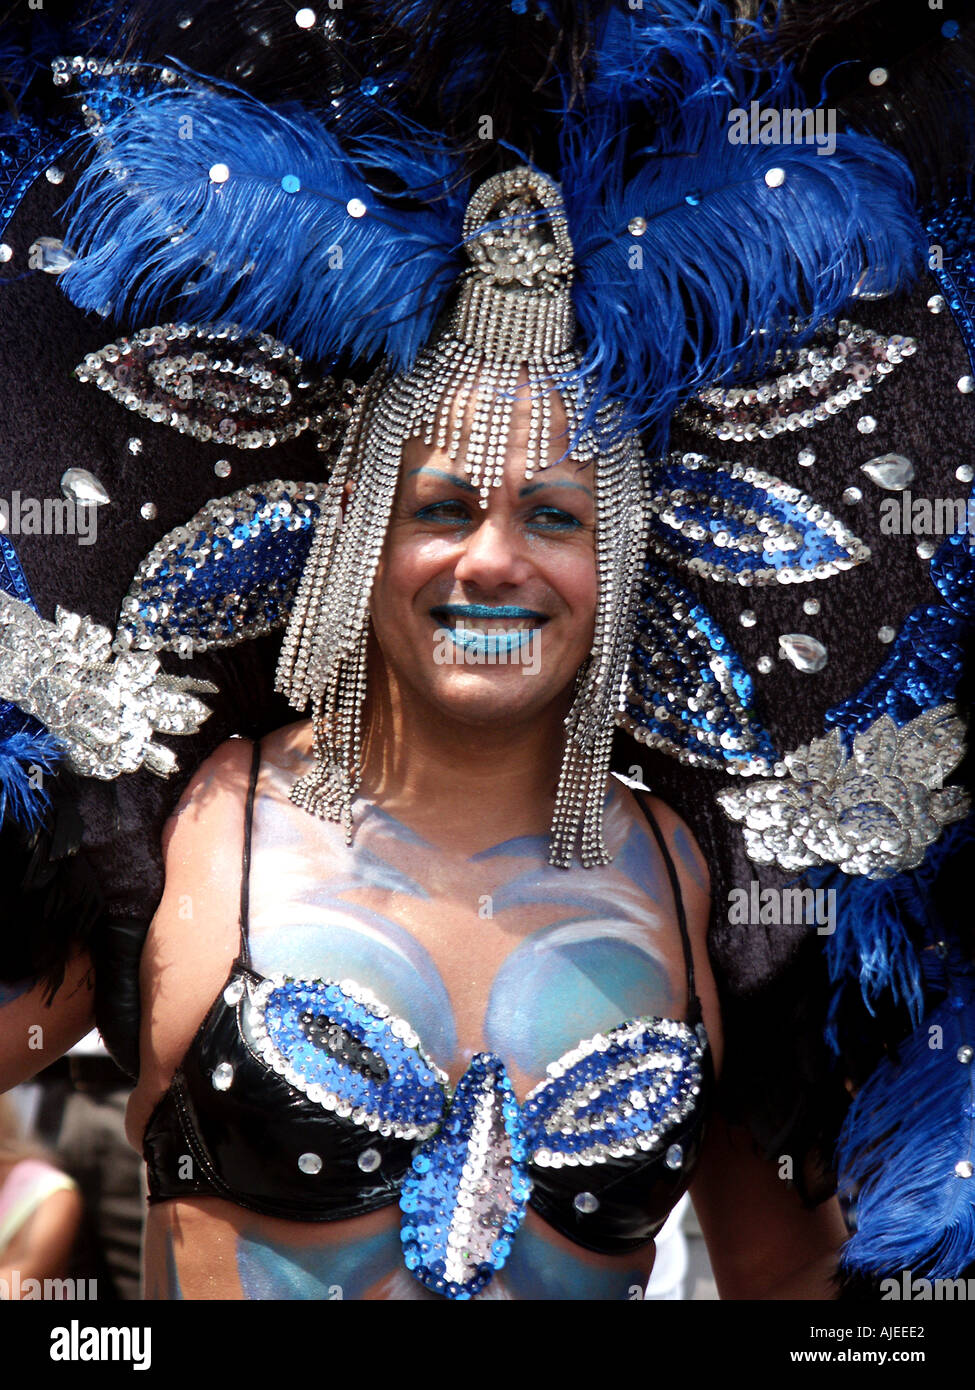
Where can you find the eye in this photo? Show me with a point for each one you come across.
(451, 513)
(554, 519)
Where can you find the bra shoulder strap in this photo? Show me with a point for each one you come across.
(693, 1003)
(245, 868)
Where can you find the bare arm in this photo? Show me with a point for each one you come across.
(762, 1242)
(34, 1034)
(41, 1248)
(193, 937)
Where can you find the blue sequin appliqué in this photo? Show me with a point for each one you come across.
(729, 522)
(687, 690)
(343, 1049)
(228, 575)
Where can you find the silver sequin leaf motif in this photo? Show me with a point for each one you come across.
(843, 364)
(105, 709)
(227, 576)
(737, 524)
(687, 691)
(874, 812)
(221, 385)
(615, 1095)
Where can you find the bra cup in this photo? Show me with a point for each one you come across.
(618, 1205)
(254, 1139)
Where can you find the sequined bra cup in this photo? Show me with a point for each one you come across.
(309, 1100)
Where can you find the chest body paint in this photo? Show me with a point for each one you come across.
(556, 957)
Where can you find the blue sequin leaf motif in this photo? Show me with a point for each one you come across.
(339, 1046)
(227, 576)
(465, 1196)
(615, 1095)
(687, 689)
(728, 522)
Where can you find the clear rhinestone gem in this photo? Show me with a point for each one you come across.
(6, 251)
(82, 486)
(222, 468)
(674, 1157)
(807, 457)
(355, 207)
(886, 634)
(306, 19)
(369, 1160)
(765, 664)
(966, 384)
(747, 618)
(965, 1053)
(775, 178)
(219, 173)
(805, 652)
(866, 424)
(310, 1163)
(878, 76)
(134, 445)
(936, 304)
(148, 510)
(47, 253)
(965, 473)
(964, 1169)
(53, 174)
(926, 549)
(233, 994)
(637, 226)
(891, 471)
(222, 1077)
(851, 495)
(811, 607)
(585, 1203)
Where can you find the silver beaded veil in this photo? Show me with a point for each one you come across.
(512, 311)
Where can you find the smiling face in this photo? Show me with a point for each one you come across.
(487, 613)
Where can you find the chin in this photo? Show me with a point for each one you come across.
(489, 697)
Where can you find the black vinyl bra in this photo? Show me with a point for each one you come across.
(307, 1099)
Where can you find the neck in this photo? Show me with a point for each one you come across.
(428, 768)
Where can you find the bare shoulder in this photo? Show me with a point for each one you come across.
(290, 748)
(217, 786)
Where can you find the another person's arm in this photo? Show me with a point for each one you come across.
(41, 1247)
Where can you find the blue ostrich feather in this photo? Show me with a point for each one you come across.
(727, 267)
(877, 923)
(907, 1129)
(19, 752)
(151, 228)
(730, 268)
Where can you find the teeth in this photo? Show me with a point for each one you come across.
(494, 624)
(460, 624)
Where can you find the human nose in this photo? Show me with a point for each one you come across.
(493, 554)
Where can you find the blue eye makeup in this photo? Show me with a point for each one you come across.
(555, 519)
(456, 513)
(436, 512)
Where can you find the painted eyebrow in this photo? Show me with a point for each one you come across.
(469, 487)
(447, 477)
(533, 487)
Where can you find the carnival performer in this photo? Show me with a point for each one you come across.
(427, 1004)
